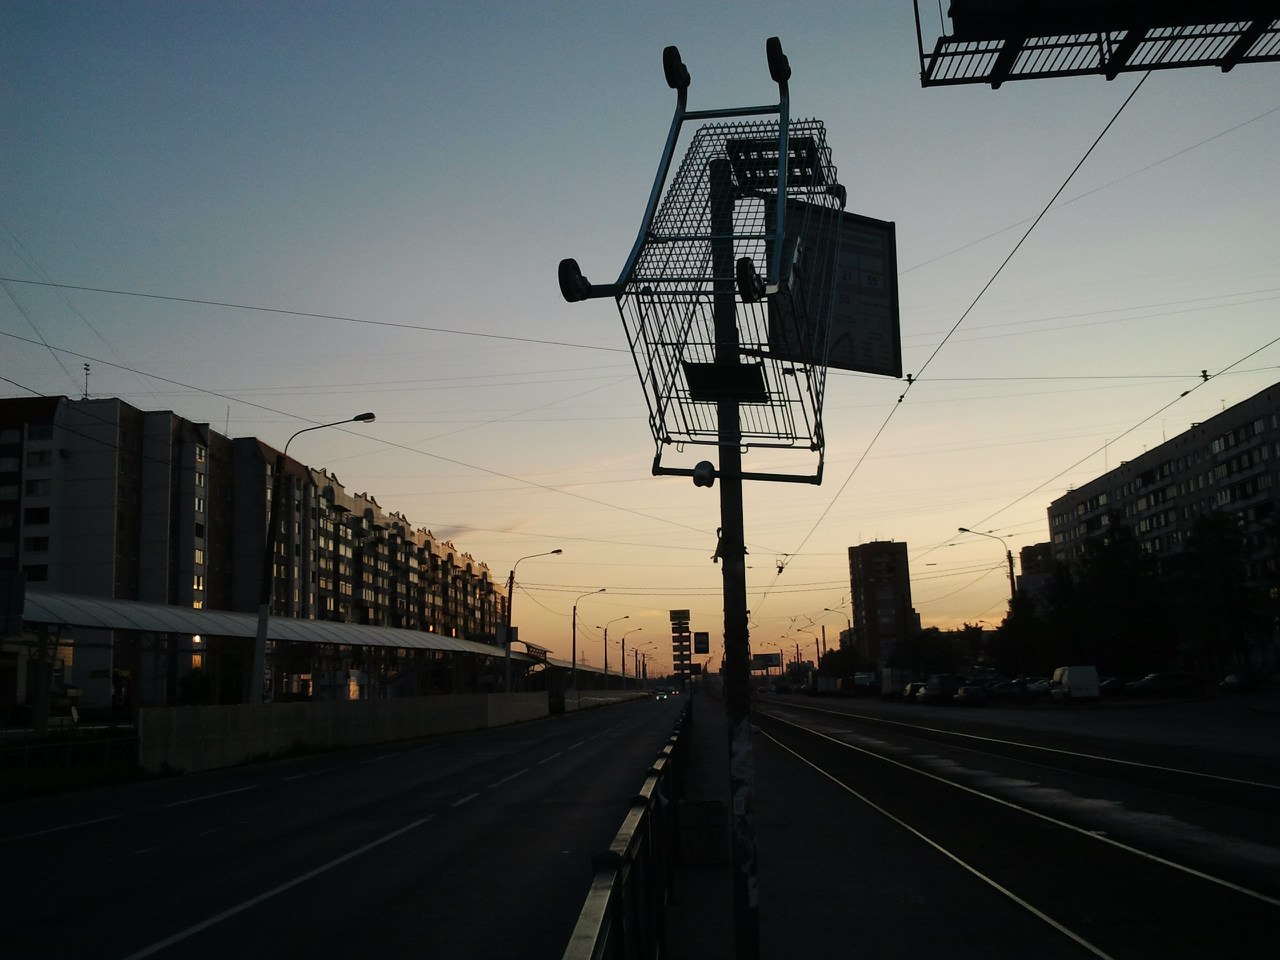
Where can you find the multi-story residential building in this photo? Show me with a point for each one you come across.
(102, 499)
(880, 585)
(1228, 464)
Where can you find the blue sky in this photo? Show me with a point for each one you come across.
(422, 168)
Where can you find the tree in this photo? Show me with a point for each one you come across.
(1219, 616)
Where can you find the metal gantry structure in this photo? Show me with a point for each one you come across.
(994, 41)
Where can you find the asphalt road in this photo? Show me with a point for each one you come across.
(469, 846)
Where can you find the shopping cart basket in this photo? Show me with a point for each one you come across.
(727, 293)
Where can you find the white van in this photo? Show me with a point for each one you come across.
(1074, 683)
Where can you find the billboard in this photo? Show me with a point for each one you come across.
(763, 661)
(701, 641)
(854, 282)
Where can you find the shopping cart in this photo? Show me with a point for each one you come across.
(727, 293)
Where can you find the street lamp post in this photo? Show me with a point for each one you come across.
(1013, 590)
(511, 599)
(268, 557)
(624, 654)
(843, 614)
(573, 670)
(606, 646)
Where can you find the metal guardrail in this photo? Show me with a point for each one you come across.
(35, 767)
(625, 911)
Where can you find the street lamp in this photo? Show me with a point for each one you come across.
(511, 598)
(1013, 589)
(624, 654)
(573, 670)
(268, 557)
(842, 613)
(606, 646)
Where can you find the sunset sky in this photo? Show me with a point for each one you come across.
(396, 182)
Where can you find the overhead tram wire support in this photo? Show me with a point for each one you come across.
(730, 358)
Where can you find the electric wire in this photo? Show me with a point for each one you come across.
(280, 311)
(913, 379)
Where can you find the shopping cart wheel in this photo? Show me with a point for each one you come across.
(750, 283)
(573, 285)
(677, 73)
(779, 67)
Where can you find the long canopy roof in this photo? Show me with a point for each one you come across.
(75, 610)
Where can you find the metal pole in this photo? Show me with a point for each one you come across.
(1013, 596)
(258, 664)
(511, 599)
(734, 573)
(573, 671)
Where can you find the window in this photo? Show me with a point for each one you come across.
(197, 582)
(36, 573)
(200, 453)
(8, 464)
(39, 488)
(35, 544)
(199, 479)
(199, 555)
(39, 431)
(199, 504)
(39, 458)
(35, 516)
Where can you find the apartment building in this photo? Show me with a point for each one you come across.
(1228, 464)
(880, 589)
(102, 499)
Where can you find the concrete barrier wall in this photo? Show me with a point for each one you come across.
(188, 739)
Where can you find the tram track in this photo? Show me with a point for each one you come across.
(1127, 859)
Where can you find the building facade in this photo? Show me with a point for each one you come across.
(880, 590)
(100, 498)
(1229, 464)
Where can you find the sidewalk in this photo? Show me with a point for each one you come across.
(700, 919)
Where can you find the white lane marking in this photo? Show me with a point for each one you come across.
(506, 779)
(1036, 746)
(1191, 871)
(69, 826)
(577, 745)
(1039, 914)
(254, 901)
(548, 759)
(302, 776)
(385, 756)
(209, 796)
(468, 799)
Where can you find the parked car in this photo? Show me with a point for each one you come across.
(1008, 691)
(1037, 686)
(1112, 686)
(1238, 683)
(912, 690)
(659, 694)
(939, 688)
(1170, 684)
(970, 695)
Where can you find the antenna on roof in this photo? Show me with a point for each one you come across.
(86, 382)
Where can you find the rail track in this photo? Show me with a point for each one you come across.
(1131, 851)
